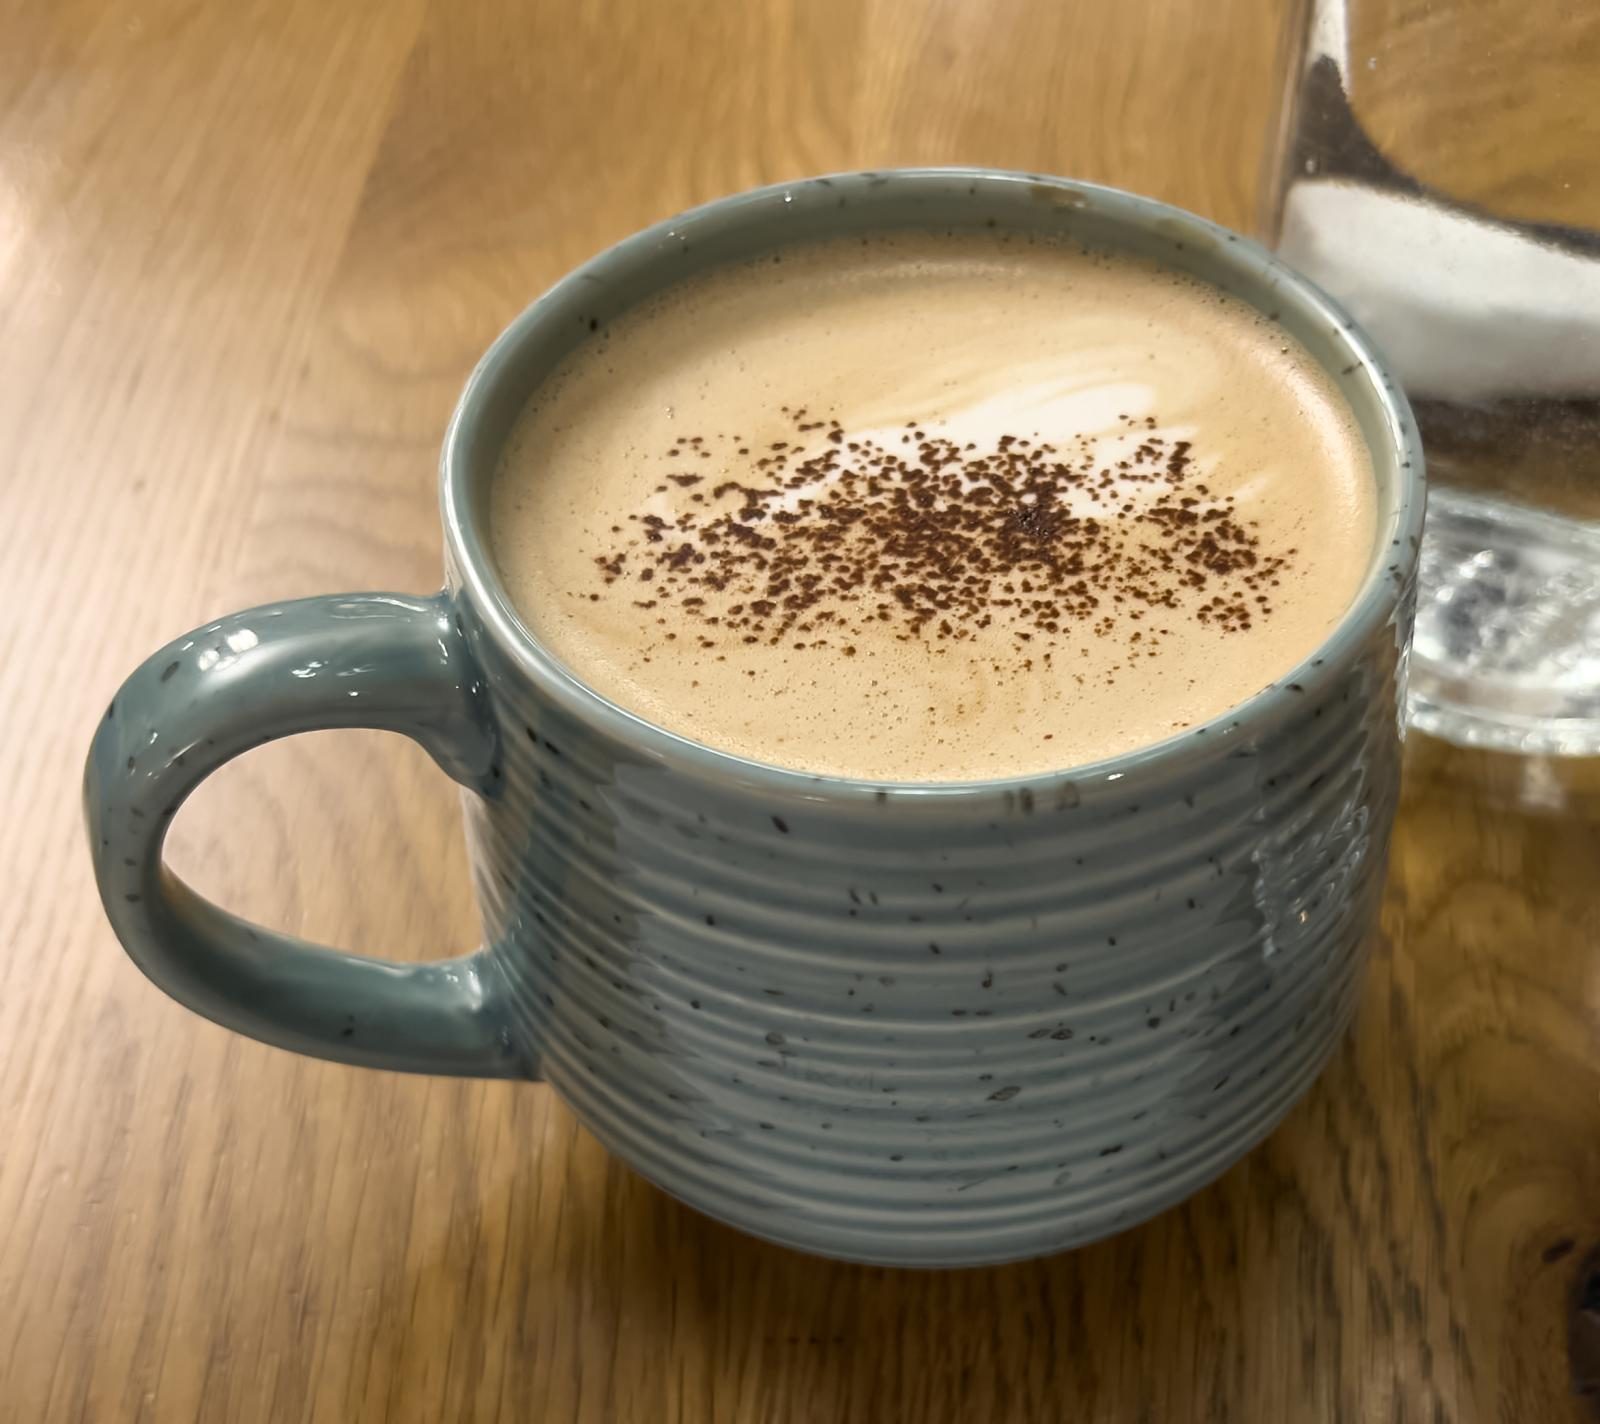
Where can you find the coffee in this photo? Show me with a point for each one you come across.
(934, 508)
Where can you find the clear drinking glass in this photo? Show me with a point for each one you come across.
(1439, 173)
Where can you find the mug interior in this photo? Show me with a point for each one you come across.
(756, 223)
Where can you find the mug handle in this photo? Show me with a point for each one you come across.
(359, 660)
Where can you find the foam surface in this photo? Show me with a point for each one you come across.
(934, 509)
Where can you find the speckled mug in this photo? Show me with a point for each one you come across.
(913, 1024)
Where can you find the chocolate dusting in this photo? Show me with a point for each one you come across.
(821, 536)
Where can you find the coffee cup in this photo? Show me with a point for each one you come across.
(724, 967)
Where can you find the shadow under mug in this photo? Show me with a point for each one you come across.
(909, 1024)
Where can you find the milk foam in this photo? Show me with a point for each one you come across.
(967, 343)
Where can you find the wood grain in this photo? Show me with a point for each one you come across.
(1491, 102)
(247, 255)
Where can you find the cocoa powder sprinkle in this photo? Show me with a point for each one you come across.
(941, 537)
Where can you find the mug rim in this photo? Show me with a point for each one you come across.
(471, 567)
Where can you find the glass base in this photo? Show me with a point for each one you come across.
(1507, 647)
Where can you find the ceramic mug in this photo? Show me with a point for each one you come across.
(909, 1024)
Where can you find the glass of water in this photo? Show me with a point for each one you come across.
(1439, 173)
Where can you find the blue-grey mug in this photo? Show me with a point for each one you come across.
(913, 1024)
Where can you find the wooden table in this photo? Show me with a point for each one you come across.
(247, 255)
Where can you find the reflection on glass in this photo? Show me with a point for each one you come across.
(1440, 175)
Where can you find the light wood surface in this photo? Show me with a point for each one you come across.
(248, 253)
(1490, 102)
